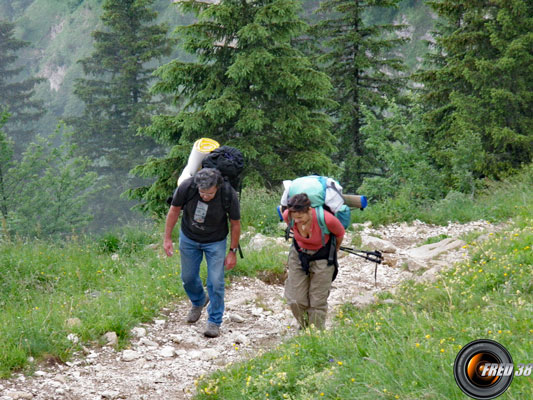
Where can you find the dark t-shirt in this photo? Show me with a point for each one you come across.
(205, 221)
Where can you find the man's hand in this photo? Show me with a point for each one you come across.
(172, 218)
(231, 260)
(167, 245)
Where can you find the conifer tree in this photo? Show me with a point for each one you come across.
(115, 88)
(17, 96)
(248, 88)
(478, 92)
(46, 191)
(115, 91)
(6, 155)
(358, 58)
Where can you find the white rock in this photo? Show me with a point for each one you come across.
(195, 354)
(19, 395)
(176, 338)
(160, 321)
(110, 394)
(257, 311)
(374, 243)
(138, 332)
(73, 338)
(259, 241)
(239, 338)
(430, 251)
(110, 338)
(40, 373)
(167, 351)
(210, 354)
(130, 355)
(236, 318)
(147, 342)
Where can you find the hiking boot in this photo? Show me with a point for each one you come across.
(196, 312)
(211, 330)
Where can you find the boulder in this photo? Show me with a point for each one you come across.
(433, 250)
(374, 243)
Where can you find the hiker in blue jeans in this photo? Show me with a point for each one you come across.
(207, 202)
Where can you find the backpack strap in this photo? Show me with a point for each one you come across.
(322, 224)
(191, 192)
(226, 192)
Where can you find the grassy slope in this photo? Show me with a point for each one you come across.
(405, 349)
(116, 281)
(110, 284)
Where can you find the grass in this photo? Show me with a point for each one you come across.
(404, 350)
(258, 209)
(497, 202)
(44, 284)
(115, 281)
(110, 283)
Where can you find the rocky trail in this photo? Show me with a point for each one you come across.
(167, 356)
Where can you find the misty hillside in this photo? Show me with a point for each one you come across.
(59, 33)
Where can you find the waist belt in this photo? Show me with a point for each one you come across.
(326, 252)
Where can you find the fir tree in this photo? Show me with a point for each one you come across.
(117, 100)
(115, 89)
(46, 191)
(364, 72)
(6, 155)
(478, 92)
(248, 88)
(17, 96)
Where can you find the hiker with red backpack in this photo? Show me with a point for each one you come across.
(312, 263)
(207, 201)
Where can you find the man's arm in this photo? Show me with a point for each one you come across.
(231, 258)
(172, 218)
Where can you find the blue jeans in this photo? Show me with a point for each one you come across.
(191, 257)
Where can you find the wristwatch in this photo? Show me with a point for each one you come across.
(233, 249)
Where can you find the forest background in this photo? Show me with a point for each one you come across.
(408, 102)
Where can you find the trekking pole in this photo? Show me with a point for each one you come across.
(373, 256)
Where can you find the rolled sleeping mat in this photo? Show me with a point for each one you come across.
(201, 148)
(355, 201)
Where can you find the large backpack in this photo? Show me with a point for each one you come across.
(324, 193)
(229, 161)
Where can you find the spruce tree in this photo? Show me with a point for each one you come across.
(478, 90)
(115, 91)
(46, 191)
(16, 95)
(6, 162)
(248, 87)
(115, 88)
(358, 56)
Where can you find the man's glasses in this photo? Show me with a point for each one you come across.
(207, 193)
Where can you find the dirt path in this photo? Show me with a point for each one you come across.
(167, 356)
